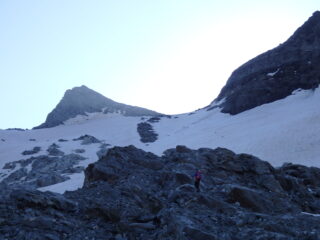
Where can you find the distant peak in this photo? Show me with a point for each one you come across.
(82, 87)
(82, 92)
(82, 100)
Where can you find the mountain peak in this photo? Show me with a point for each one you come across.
(276, 73)
(82, 100)
(81, 88)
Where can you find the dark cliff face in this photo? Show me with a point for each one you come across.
(82, 100)
(275, 74)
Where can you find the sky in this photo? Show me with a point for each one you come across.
(171, 56)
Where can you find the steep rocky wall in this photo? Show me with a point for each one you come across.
(277, 73)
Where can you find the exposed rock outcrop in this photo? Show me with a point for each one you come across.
(53, 150)
(275, 74)
(31, 152)
(132, 194)
(87, 139)
(43, 170)
(146, 132)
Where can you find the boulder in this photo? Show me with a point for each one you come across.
(87, 139)
(54, 151)
(33, 151)
(262, 202)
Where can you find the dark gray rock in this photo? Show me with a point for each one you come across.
(16, 129)
(275, 74)
(16, 176)
(71, 170)
(42, 200)
(193, 233)
(10, 165)
(82, 100)
(54, 151)
(62, 140)
(80, 150)
(154, 119)
(146, 132)
(53, 178)
(103, 150)
(44, 170)
(119, 157)
(133, 194)
(33, 151)
(87, 139)
(258, 201)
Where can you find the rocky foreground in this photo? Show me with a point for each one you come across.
(132, 194)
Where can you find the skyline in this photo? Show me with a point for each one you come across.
(172, 57)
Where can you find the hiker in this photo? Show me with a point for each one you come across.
(197, 179)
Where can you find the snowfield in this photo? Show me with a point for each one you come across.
(287, 130)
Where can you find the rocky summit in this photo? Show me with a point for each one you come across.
(82, 100)
(275, 74)
(132, 194)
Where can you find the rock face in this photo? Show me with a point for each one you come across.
(131, 194)
(275, 74)
(82, 100)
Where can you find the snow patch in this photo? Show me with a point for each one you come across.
(311, 214)
(73, 184)
(79, 119)
(273, 73)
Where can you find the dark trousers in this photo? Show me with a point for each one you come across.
(197, 185)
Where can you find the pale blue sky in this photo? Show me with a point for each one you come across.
(171, 56)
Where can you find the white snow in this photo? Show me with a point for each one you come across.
(273, 73)
(287, 130)
(311, 214)
(73, 184)
(217, 103)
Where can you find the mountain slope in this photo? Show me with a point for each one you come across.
(286, 130)
(88, 150)
(277, 73)
(82, 100)
(279, 131)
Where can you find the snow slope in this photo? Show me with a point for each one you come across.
(287, 130)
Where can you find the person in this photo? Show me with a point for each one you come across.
(197, 179)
